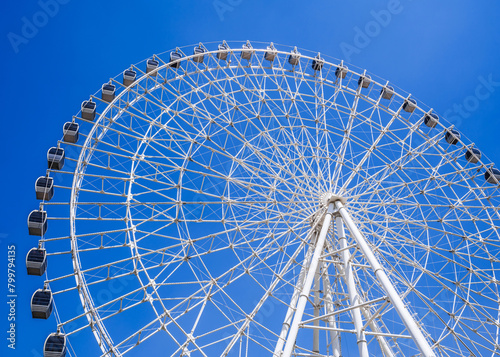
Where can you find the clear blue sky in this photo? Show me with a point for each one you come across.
(446, 53)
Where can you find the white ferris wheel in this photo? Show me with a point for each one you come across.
(232, 200)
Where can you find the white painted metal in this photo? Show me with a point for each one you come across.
(246, 325)
(304, 294)
(296, 293)
(386, 284)
(370, 321)
(370, 318)
(330, 308)
(354, 297)
(317, 305)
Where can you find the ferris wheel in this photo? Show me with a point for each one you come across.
(232, 200)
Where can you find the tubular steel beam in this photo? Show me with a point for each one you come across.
(354, 297)
(301, 304)
(397, 302)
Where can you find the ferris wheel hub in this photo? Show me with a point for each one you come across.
(330, 197)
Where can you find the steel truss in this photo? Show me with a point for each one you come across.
(309, 279)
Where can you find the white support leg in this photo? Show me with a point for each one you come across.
(297, 318)
(327, 294)
(386, 284)
(293, 303)
(386, 349)
(354, 298)
(316, 312)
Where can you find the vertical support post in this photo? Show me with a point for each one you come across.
(351, 289)
(316, 312)
(297, 318)
(293, 303)
(327, 294)
(386, 349)
(386, 284)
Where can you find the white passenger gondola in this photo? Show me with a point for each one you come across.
(223, 51)
(271, 53)
(44, 188)
(492, 175)
(37, 223)
(473, 155)
(71, 132)
(387, 92)
(152, 66)
(294, 57)
(175, 59)
(129, 77)
(452, 136)
(246, 52)
(108, 92)
(317, 63)
(36, 261)
(431, 120)
(88, 110)
(364, 81)
(199, 54)
(55, 345)
(410, 105)
(42, 304)
(55, 158)
(341, 71)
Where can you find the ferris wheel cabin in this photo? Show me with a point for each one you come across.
(55, 158)
(55, 345)
(431, 120)
(199, 54)
(223, 48)
(294, 57)
(44, 188)
(246, 52)
(151, 66)
(364, 81)
(36, 261)
(129, 77)
(108, 92)
(271, 53)
(409, 105)
(387, 92)
(175, 59)
(71, 132)
(37, 223)
(317, 63)
(341, 72)
(42, 304)
(88, 110)
(492, 175)
(452, 136)
(473, 155)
